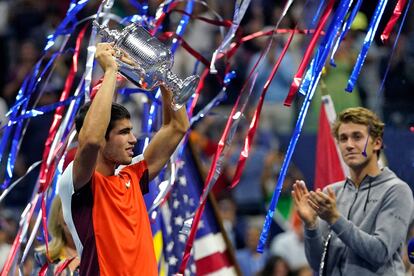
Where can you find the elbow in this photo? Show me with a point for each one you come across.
(314, 260)
(181, 128)
(90, 141)
(380, 257)
(91, 145)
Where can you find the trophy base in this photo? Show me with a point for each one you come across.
(188, 87)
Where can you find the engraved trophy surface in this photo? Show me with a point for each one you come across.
(153, 62)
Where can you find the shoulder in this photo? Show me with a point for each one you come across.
(395, 184)
(67, 175)
(138, 166)
(65, 183)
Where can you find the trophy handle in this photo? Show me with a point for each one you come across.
(135, 74)
(182, 90)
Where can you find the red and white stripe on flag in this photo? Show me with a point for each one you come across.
(212, 257)
(329, 167)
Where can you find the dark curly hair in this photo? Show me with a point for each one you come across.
(118, 112)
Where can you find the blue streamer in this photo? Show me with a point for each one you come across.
(28, 88)
(326, 44)
(155, 104)
(152, 114)
(22, 100)
(373, 26)
(8, 128)
(15, 144)
(73, 10)
(142, 8)
(312, 81)
(136, 5)
(143, 20)
(165, 7)
(43, 109)
(317, 14)
(183, 24)
(345, 30)
(150, 94)
(13, 150)
(221, 96)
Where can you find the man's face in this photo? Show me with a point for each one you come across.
(352, 139)
(119, 146)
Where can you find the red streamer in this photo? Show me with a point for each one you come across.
(65, 264)
(17, 240)
(200, 209)
(198, 90)
(46, 173)
(399, 7)
(309, 51)
(253, 124)
(220, 147)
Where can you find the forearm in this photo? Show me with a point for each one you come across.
(313, 247)
(164, 143)
(391, 225)
(99, 114)
(371, 248)
(175, 119)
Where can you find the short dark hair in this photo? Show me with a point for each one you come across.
(118, 112)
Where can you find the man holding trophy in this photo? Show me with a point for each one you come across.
(102, 189)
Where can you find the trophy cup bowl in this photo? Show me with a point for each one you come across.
(152, 62)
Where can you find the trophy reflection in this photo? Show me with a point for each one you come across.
(152, 62)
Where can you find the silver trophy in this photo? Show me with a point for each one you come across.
(153, 62)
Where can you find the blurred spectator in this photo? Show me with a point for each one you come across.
(4, 245)
(336, 80)
(304, 271)
(227, 209)
(249, 260)
(289, 245)
(27, 57)
(25, 16)
(248, 194)
(399, 85)
(200, 37)
(61, 248)
(270, 176)
(8, 229)
(275, 266)
(275, 117)
(369, 81)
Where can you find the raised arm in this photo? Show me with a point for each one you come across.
(92, 133)
(166, 140)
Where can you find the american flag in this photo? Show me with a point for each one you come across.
(211, 254)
